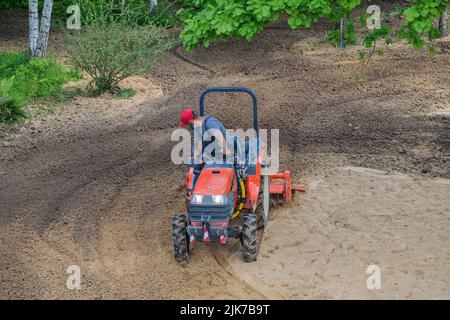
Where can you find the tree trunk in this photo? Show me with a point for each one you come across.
(341, 27)
(45, 28)
(33, 25)
(443, 20)
(153, 5)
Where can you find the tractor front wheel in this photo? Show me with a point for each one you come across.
(259, 211)
(249, 237)
(180, 237)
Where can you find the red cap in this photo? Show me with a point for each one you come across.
(186, 115)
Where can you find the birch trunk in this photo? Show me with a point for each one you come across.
(45, 28)
(33, 25)
(341, 27)
(443, 20)
(153, 5)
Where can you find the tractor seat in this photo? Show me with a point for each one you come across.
(249, 150)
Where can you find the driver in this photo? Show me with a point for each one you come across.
(206, 123)
(189, 118)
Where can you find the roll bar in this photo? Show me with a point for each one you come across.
(232, 89)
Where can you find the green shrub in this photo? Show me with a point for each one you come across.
(334, 36)
(138, 11)
(23, 80)
(126, 93)
(163, 17)
(111, 51)
(13, 4)
(10, 61)
(129, 12)
(39, 78)
(10, 111)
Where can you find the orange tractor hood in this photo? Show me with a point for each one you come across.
(214, 181)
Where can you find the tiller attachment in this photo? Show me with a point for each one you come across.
(280, 187)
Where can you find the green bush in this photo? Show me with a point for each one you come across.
(10, 61)
(23, 80)
(129, 12)
(39, 78)
(13, 4)
(126, 93)
(10, 111)
(137, 11)
(111, 51)
(334, 36)
(163, 17)
(58, 11)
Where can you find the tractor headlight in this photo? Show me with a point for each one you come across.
(197, 198)
(219, 199)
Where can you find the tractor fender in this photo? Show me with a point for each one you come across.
(190, 179)
(253, 185)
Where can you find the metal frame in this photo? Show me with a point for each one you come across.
(232, 89)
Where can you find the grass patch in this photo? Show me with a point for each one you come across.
(125, 93)
(10, 61)
(10, 112)
(24, 81)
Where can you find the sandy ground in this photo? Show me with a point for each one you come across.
(352, 218)
(92, 183)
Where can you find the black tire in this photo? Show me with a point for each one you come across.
(259, 212)
(249, 238)
(180, 237)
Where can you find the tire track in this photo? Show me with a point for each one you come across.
(178, 55)
(248, 282)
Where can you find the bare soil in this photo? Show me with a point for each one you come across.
(92, 184)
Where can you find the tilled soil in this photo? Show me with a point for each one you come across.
(93, 184)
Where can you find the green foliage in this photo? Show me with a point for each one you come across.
(164, 16)
(129, 12)
(207, 21)
(137, 11)
(370, 42)
(23, 80)
(13, 4)
(10, 111)
(36, 79)
(40, 78)
(126, 93)
(110, 51)
(10, 61)
(58, 10)
(371, 38)
(349, 34)
(210, 20)
(420, 19)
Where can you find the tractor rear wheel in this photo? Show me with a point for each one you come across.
(180, 237)
(249, 237)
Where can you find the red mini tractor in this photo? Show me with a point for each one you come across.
(222, 192)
